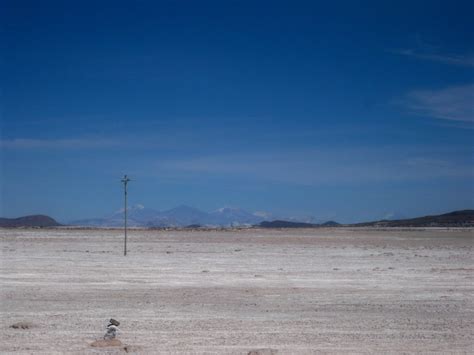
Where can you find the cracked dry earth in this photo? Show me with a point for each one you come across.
(238, 292)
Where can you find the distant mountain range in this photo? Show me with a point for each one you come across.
(185, 216)
(181, 216)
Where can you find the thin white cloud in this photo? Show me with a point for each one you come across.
(454, 103)
(317, 167)
(460, 60)
(67, 143)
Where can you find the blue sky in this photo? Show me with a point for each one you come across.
(344, 110)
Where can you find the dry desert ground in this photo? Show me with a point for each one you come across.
(233, 292)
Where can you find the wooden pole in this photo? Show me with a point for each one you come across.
(125, 181)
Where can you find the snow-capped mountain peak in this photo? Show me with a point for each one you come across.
(181, 216)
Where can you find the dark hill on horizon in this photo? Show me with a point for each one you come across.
(286, 224)
(463, 218)
(291, 224)
(29, 221)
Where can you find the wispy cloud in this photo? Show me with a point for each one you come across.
(453, 103)
(66, 143)
(460, 60)
(320, 167)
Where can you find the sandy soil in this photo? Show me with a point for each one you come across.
(300, 291)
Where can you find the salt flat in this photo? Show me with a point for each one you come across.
(294, 291)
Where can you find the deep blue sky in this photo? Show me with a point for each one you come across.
(340, 110)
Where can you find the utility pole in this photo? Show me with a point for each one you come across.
(125, 181)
